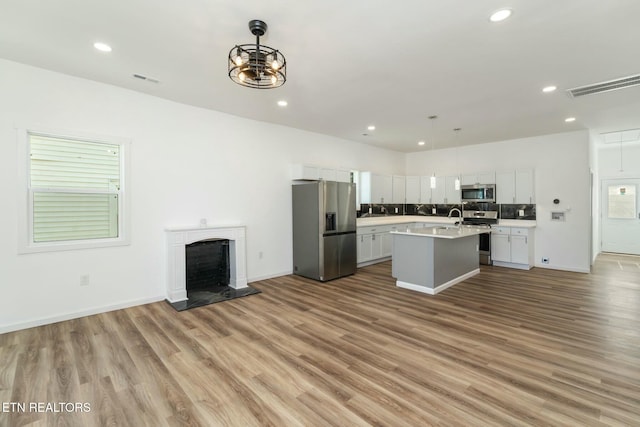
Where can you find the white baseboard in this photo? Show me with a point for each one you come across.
(437, 289)
(561, 268)
(373, 261)
(74, 315)
(269, 276)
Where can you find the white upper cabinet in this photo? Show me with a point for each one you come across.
(479, 178)
(525, 186)
(306, 172)
(328, 174)
(505, 187)
(313, 173)
(438, 194)
(412, 190)
(445, 191)
(425, 190)
(515, 187)
(343, 175)
(375, 188)
(452, 195)
(398, 194)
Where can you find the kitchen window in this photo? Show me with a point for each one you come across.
(75, 192)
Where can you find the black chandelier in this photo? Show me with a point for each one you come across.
(255, 65)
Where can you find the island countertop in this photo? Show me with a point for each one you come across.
(432, 219)
(440, 232)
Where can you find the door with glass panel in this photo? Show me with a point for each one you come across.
(621, 216)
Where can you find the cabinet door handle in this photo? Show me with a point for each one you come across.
(514, 199)
(373, 237)
(509, 239)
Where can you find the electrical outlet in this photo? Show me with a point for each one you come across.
(396, 210)
(84, 280)
(545, 260)
(434, 211)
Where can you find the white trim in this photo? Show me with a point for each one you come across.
(77, 314)
(562, 268)
(512, 265)
(438, 289)
(373, 261)
(25, 241)
(269, 276)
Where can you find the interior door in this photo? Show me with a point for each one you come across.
(620, 212)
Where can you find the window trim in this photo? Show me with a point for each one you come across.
(25, 193)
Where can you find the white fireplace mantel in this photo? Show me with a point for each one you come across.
(178, 238)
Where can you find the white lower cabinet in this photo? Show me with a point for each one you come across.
(512, 247)
(374, 243)
(365, 247)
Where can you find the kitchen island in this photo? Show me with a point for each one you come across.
(432, 259)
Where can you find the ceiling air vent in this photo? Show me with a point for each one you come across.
(605, 86)
(149, 79)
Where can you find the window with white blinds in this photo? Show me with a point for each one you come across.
(74, 189)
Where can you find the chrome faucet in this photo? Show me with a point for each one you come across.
(459, 215)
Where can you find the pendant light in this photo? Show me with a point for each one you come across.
(433, 137)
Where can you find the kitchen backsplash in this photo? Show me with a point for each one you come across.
(527, 212)
(517, 211)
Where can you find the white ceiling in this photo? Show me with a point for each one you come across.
(352, 63)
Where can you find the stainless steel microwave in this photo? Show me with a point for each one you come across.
(478, 193)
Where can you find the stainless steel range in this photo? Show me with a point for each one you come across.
(483, 219)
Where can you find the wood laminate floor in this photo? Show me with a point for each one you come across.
(506, 347)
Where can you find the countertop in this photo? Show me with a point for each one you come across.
(524, 223)
(403, 219)
(451, 232)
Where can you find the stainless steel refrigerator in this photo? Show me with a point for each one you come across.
(324, 229)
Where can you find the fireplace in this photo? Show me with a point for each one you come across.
(207, 265)
(177, 241)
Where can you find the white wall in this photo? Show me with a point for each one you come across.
(187, 163)
(561, 163)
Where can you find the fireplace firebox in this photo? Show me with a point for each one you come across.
(207, 264)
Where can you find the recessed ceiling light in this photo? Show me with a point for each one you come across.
(500, 15)
(549, 89)
(421, 143)
(102, 47)
(570, 119)
(283, 103)
(372, 127)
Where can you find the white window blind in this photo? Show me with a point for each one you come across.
(74, 188)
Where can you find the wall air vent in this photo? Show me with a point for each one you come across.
(605, 86)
